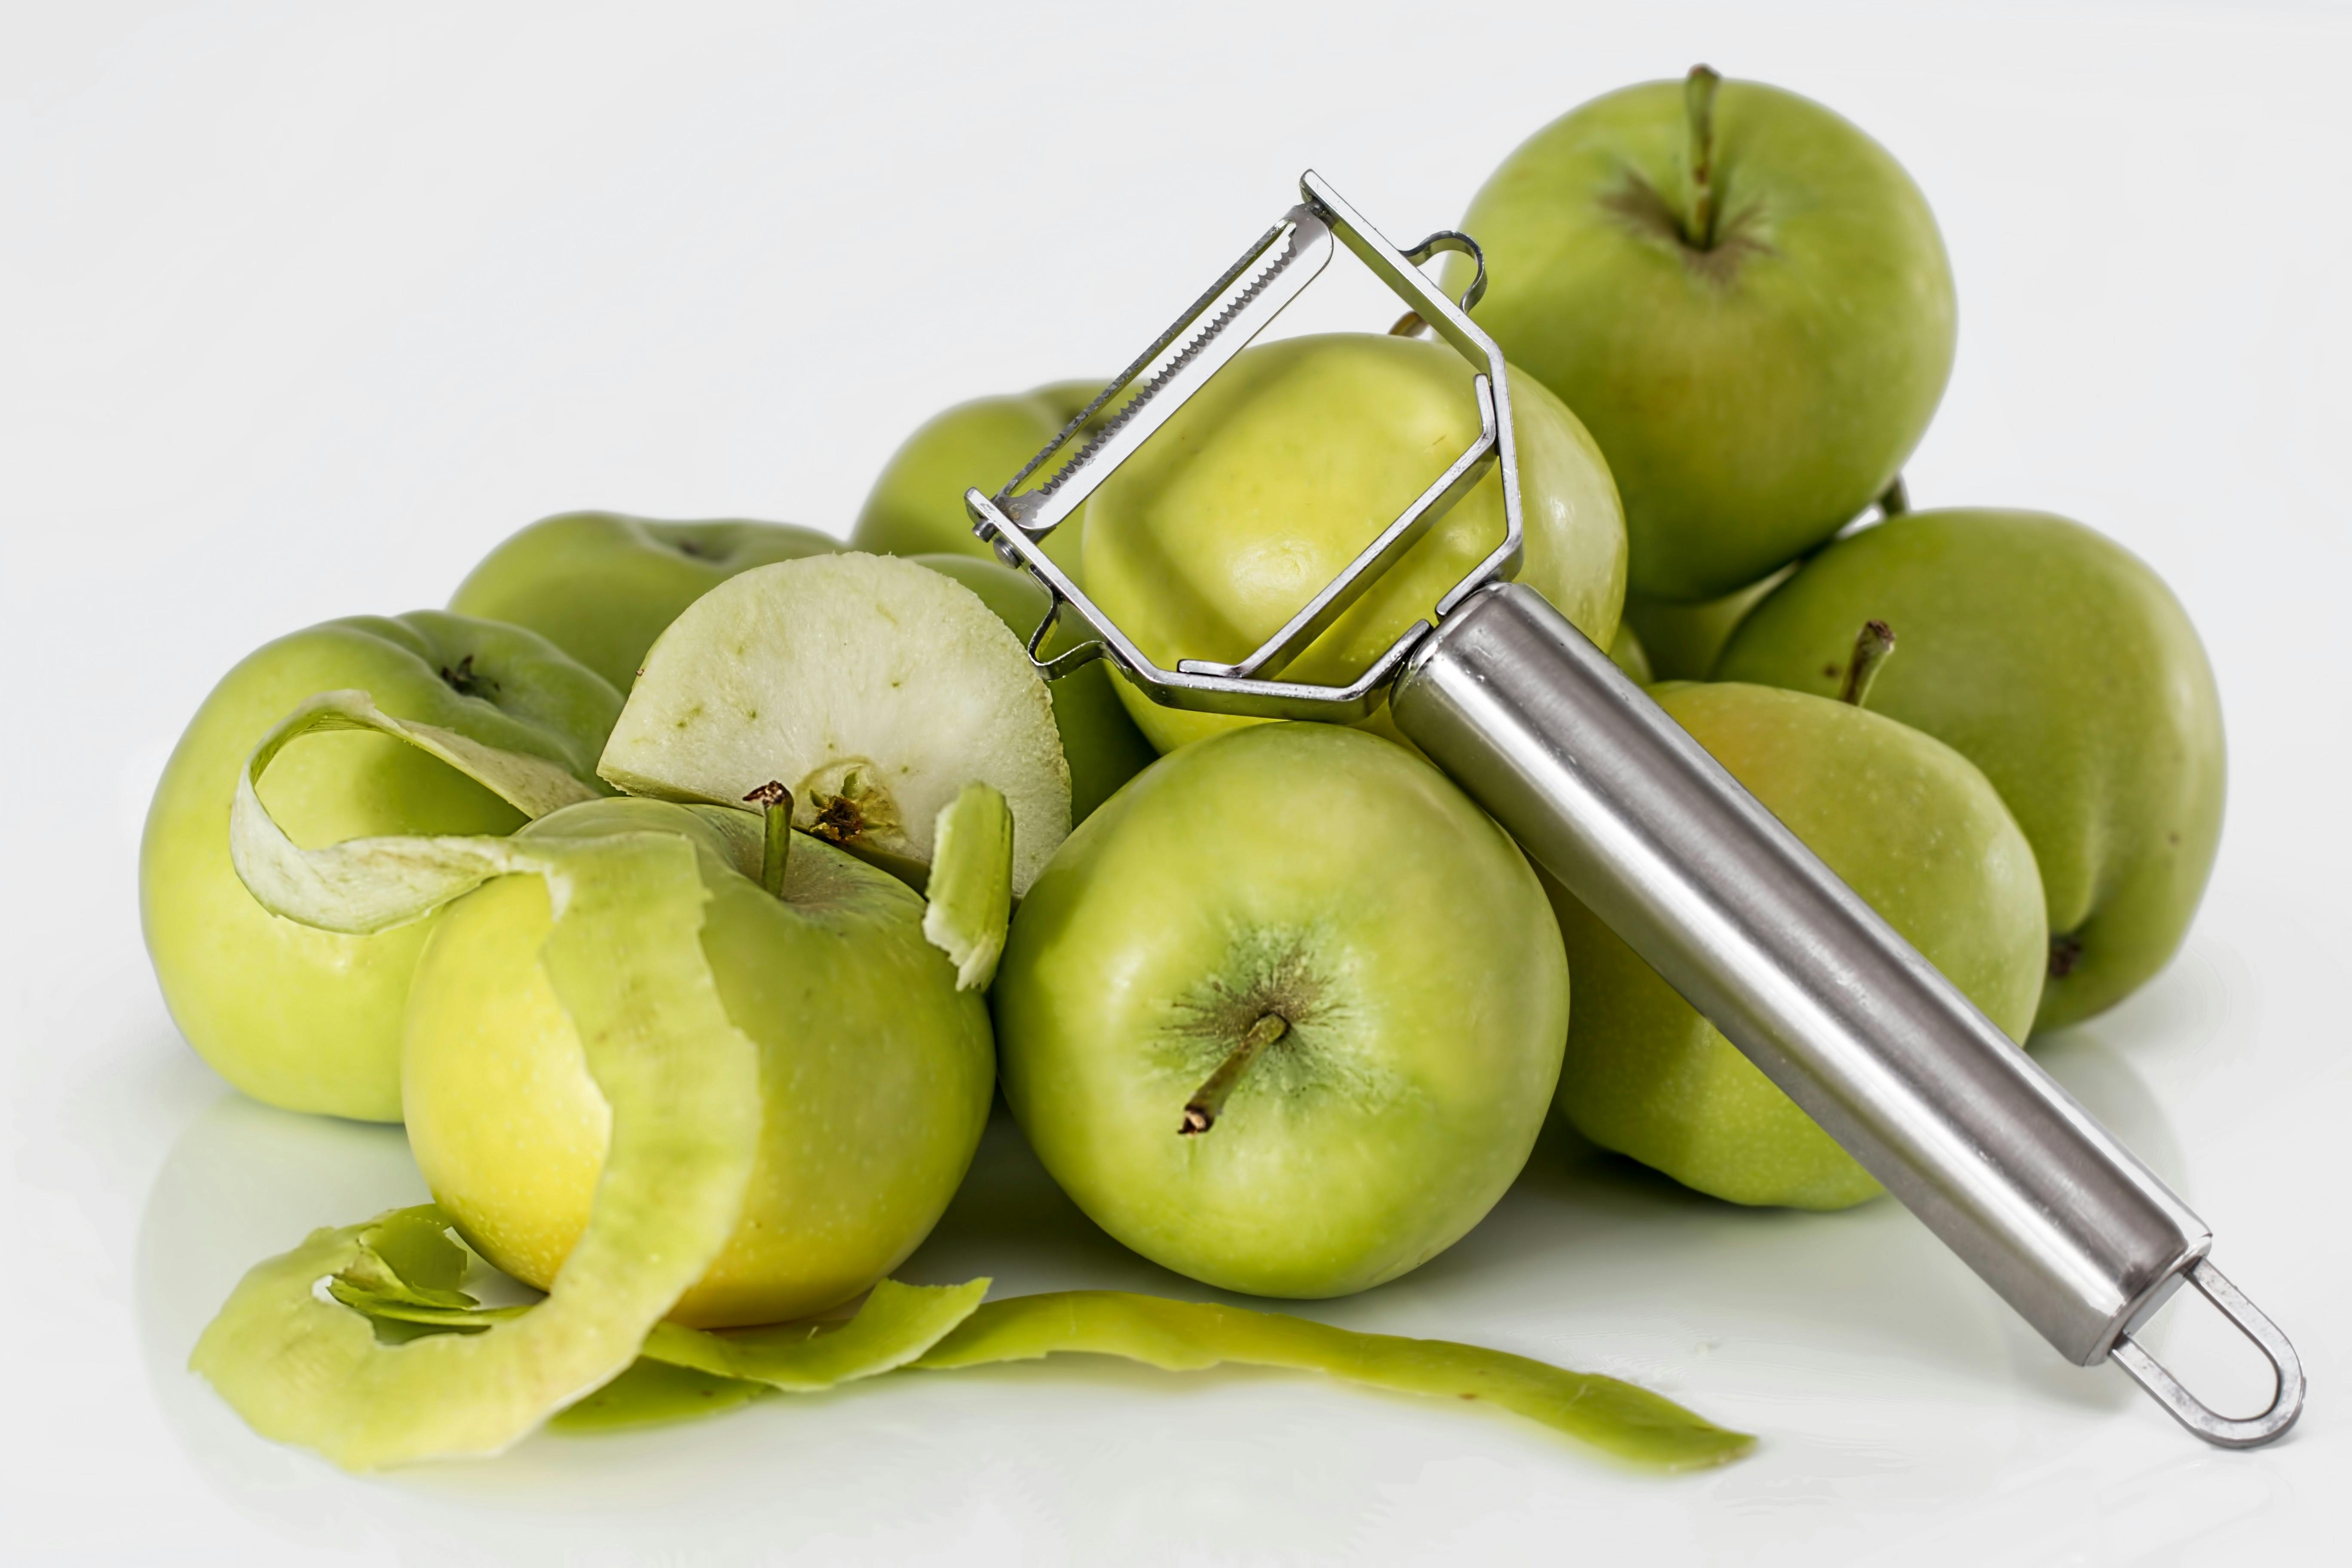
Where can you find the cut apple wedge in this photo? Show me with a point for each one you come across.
(874, 689)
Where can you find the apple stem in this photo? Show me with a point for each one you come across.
(1871, 647)
(1200, 1111)
(775, 803)
(1896, 499)
(1699, 108)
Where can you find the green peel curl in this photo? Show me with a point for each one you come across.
(685, 1372)
(367, 885)
(625, 958)
(971, 887)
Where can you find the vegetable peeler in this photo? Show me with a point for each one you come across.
(1611, 797)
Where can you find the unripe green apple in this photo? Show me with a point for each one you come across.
(874, 1072)
(304, 1018)
(1286, 1013)
(1913, 827)
(1743, 297)
(1683, 641)
(2057, 662)
(1281, 470)
(603, 587)
(915, 506)
(1100, 743)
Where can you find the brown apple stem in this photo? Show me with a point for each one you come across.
(1699, 108)
(1200, 1111)
(775, 803)
(1896, 499)
(1409, 325)
(1871, 647)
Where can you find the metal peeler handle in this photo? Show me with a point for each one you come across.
(1638, 821)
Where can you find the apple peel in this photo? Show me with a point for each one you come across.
(625, 957)
(970, 888)
(1187, 1336)
(873, 688)
(363, 886)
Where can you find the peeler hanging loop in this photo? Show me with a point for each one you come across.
(1460, 244)
(2224, 1431)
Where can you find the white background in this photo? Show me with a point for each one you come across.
(303, 307)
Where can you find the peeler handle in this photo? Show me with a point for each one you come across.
(1620, 804)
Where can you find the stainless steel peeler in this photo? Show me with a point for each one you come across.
(1615, 800)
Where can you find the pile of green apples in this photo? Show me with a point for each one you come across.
(688, 890)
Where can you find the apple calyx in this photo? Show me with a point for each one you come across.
(1200, 1111)
(466, 681)
(1872, 645)
(1698, 111)
(775, 803)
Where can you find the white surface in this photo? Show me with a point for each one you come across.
(302, 308)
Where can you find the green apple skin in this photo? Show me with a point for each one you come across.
(295, 1016)
(1913, 827)
(1625, 651)
(1683, 641)
(876, 1073)
(1280, 471)
(1753, 395)
(2058, 663)
(603, 587)
(1333, 878)
(1099, 741)
(915, 506)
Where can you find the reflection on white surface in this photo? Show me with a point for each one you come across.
(1826, 1334)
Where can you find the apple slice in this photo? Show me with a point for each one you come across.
(872, 688)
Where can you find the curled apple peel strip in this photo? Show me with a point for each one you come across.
(363, 885)
(625, 960)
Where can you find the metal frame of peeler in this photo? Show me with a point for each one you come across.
(1610, 796)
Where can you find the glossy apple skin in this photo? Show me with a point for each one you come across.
(1336, 878)
(2061, 665)
(601, 586)
(1099, 741)
(876, 1074)
(1279, 472)
(915, 506)
(295, 1016)
(1753, 397)
(1913, 827)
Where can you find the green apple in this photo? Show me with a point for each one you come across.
(875, 1070)
(2058, 663)
(309, 1019)
(1682, 641)
(1743, 297)
(1626, 652)
(1286, 1013)
(915, 506)
(601, 586)
(1100, 743)
(1282, 468)
(1913, 827)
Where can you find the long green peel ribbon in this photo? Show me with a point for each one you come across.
(686, 1371)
